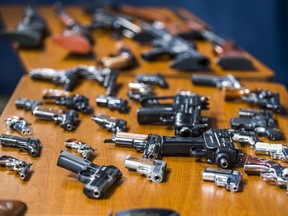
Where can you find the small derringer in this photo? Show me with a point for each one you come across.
(19, 124)
(270, 171)
(97, 179)
(82, 148)
(63, 98)
(27, 104)
(11, 163)
(113, 103)
(31, 145)
(110, 123)
(261, 122)
(276, 151)
(216, 81)
(67, 120)
(66, 78)
(154, 170)
(230, 179)
(153, 79)
(138, 91)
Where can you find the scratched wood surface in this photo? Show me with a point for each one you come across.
(54, 56)
(52, 190)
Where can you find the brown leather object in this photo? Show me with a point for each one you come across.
(12, 208)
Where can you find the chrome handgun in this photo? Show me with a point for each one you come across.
(276, 151)
(154, 170)
(82, 148)
(19, 124)
(230, 179)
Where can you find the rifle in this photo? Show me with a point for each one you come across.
(262, 98)
(185, 56)
(215, 145)
(75, 38)
(229, 55)
(184, 113)
(30, 33)
(97, 179)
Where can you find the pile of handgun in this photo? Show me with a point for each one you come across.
(193, 137)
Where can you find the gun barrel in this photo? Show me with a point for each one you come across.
(127, 139)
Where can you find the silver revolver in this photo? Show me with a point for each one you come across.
(110, 123)
(21, 167)
(276, 151)
(82, 148)
(154, 170)
(230, 179)
(270, 171)
(19, 124)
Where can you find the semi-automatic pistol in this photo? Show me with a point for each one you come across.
(154, 170)
(230, 179)
(276, 151)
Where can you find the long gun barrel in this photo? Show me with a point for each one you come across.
(97, 179)
(31, 145)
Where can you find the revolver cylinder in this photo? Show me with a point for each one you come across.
(154, 170)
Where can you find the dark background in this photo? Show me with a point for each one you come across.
(260, 27)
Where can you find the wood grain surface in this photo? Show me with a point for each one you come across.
(52, 190)
(53, 56)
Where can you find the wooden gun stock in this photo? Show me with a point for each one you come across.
(12, 208)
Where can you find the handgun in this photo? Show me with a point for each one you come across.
(261, 122)
(97, 179)
(81, 147)
(19, 124)
(216, 146)
(67, 120)
(138, 91)
(63, 98)
(230, 179)
(276, 151)
(31, 145)
(154, 170)
(113, 103)
(216, 81)
(184, 112)
(269, 171)
(110, 123)
(152, 79)
(262, 98)
(11, 163)
(27, 104)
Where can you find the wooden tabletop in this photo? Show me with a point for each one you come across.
(52, 190)
(53, 56)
